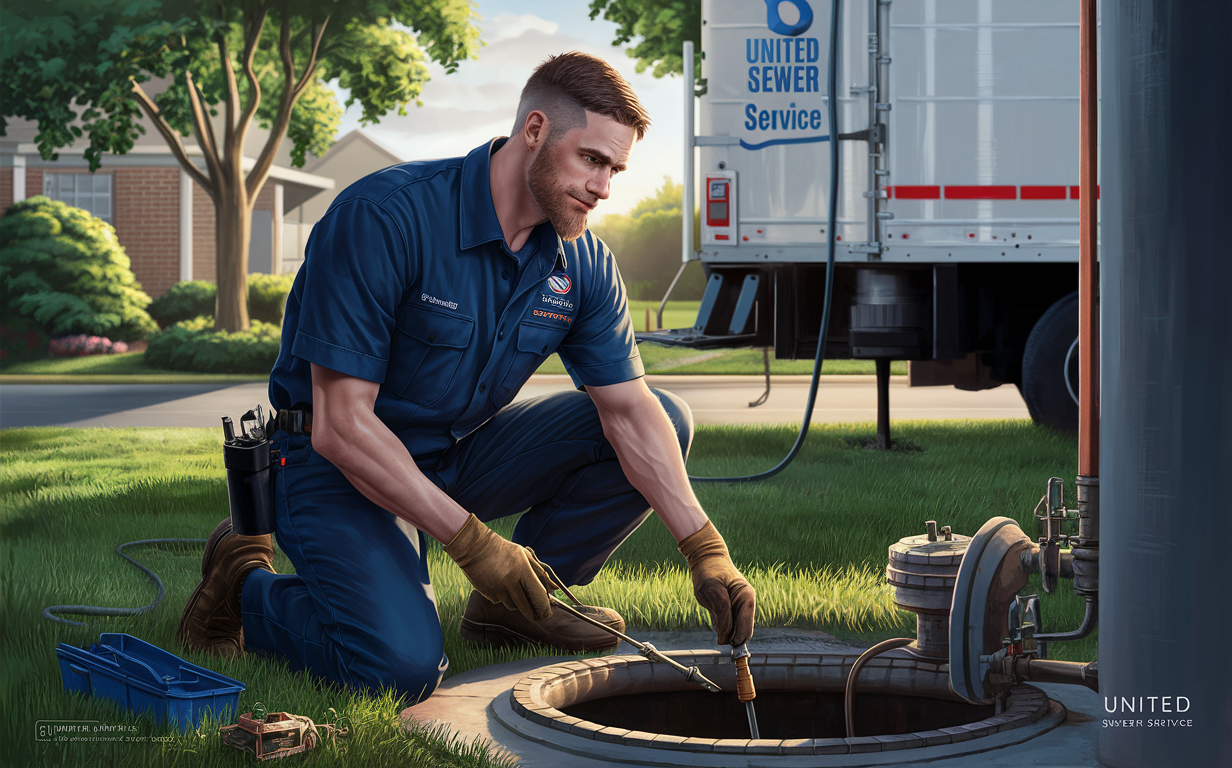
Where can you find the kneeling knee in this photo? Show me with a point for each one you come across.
(416, 675)
(681, 417)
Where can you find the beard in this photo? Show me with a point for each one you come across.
(553, 198)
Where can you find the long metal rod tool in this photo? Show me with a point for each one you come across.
(744, 685)
(691, 674)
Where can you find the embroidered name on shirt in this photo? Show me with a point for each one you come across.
(434, 300)
(556, 301)
(552, 315)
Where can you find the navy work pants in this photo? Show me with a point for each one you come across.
(360, 611)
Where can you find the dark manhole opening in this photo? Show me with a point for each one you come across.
(780, 714)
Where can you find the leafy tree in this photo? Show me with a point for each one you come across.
(78, 69)
(661, 27)
(646, 244)
(63, 272)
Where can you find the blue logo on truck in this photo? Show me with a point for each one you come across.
(784, 83)
(780, 27)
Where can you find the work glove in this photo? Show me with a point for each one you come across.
(718, 586)
(501, 571)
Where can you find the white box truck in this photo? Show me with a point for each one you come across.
(957, 228)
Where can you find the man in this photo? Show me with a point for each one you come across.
(430, 292)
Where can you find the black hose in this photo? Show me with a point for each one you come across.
(849, 693)
(832, 114)
(94, 610)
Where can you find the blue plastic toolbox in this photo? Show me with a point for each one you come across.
(143, 677)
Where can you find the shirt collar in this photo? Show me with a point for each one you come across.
(561, 264)
(477, 214)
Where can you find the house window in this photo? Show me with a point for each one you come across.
(91, 192)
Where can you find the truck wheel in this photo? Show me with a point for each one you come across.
(1047, 364)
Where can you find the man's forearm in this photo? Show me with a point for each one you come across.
(380, 467)
(649, 454)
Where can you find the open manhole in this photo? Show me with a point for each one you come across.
(591, 706)
(780, 714)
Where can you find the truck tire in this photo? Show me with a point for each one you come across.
(1046, 363)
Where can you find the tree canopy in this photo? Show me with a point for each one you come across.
(659, 29)
(75, 67)
(80, 69)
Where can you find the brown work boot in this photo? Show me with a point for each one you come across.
(494, 624)
(211, 620)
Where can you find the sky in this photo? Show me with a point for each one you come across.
(478, 101)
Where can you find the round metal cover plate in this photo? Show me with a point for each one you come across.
(987, 581)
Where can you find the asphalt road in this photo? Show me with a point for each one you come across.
(714, 400)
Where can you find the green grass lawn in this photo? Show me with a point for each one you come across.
(813, 541)
(677, 314)
(126, 368)
(130, 368)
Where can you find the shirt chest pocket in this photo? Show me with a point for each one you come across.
(426, 352)
(535, 342)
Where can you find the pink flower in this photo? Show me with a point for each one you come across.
(81, 344)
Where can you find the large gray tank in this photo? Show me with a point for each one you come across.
(1166, 471)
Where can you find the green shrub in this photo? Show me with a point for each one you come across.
(184, 301)
(646, 243)
(22, 339)
(62, 272)
(194, 345)
(267, 297)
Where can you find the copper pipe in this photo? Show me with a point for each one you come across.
(1088, 308)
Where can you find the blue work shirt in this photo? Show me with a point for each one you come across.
(407, 281)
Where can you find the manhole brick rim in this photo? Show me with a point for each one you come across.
(530, 698)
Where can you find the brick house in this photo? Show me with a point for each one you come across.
(164, 220)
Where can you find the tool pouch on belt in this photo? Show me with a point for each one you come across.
(247, 459)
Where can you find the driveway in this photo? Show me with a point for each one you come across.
(714, 400)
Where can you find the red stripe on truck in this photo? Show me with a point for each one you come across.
(981, 193)
(916, 192)
(1043, 193)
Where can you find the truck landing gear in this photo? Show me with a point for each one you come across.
(1049, 371)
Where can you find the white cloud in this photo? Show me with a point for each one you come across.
(505, 25)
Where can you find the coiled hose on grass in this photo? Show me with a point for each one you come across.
(95, 610)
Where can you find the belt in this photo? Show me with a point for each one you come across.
(293, 422)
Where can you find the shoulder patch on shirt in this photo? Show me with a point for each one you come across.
(559, 284)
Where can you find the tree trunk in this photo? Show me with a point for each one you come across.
(232, 228)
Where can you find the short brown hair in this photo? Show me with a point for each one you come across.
(567, 86)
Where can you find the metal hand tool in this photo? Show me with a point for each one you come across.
(691, 674)
(744, 684)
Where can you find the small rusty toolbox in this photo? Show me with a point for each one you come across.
(276, 735)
